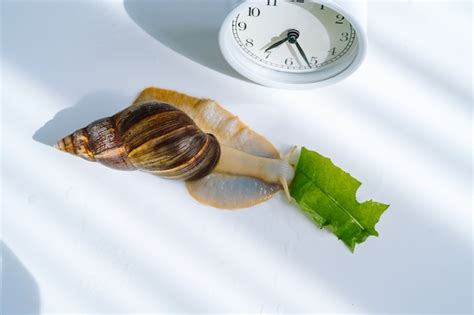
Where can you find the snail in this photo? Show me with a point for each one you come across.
(172, 135)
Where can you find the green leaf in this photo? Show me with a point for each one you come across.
(327, 195)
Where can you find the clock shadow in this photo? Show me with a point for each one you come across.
(275, 39)
(191, 28)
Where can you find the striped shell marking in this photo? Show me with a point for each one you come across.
(163, 140)
(221, 190)
(153, 136)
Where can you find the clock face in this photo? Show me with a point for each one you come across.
(292, 36)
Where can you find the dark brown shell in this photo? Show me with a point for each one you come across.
(153, 137)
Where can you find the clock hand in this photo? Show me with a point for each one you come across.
(276, 44)
(302, 53)
(291, 36)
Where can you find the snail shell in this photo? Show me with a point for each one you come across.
(152, 136)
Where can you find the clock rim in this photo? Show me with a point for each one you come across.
(266, 77)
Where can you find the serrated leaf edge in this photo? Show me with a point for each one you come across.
(328, 224)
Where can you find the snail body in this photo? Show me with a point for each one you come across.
(225, 164)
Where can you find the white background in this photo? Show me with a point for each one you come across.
(78, 237)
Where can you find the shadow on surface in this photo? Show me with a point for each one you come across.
(429, 73)
(191, 28)
(20, 293)
(404, 273)
(90, 108)
(427, 268)
(445, 154)
(400, 242)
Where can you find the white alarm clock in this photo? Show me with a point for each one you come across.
(295, 44)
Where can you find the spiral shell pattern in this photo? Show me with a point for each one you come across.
(154, 137)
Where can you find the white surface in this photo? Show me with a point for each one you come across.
(82, 238)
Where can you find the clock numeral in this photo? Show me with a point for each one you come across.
(314, 60)
(322, 7)
(242, 26)
(340, 19)
(255, 12)
(269, 53)
(249, 42)
(345, 37)
(332, 51)
(272, 3)
(289, 61)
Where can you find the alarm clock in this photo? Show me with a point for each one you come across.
(295, 44)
